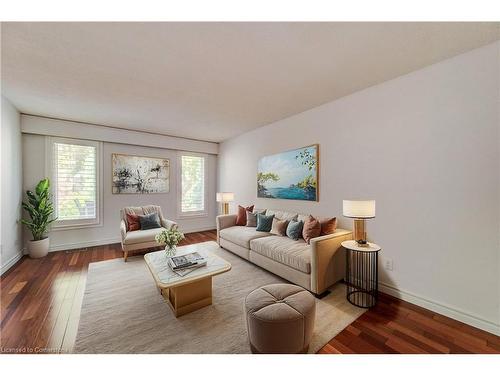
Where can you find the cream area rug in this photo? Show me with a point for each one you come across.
(123, 312)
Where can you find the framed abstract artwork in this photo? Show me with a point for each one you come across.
(139, 174)
(290, 175)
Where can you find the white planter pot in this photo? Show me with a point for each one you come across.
(38, 249)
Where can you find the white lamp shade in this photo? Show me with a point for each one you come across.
(359, 209)
(225, 197)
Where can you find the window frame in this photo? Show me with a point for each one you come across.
(192, 214)
(50, 171)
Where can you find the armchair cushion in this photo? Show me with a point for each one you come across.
(133, 222)
(140, 236)
(150, 221)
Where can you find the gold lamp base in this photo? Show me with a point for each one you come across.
(359, 232)
(225, 208)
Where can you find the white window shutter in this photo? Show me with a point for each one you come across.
(75, 185)
(192, 183)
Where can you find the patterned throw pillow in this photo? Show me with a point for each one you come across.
(312, 228)
(328, 225)
(150, 221)
(279, 227)
(133, 222)
(241, 219)
(264, 223)
(294, 229)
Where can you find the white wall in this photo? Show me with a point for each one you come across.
(11, 190)
(426, 147)
(34, 169)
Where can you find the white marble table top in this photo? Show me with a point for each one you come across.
(165, 277)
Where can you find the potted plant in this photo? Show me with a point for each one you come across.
(40, 210)
(170, 238)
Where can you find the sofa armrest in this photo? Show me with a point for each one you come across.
(224, 221)
(328, 260)
(123, 229)
(168, 224)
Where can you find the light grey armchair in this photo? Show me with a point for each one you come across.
(141, 239)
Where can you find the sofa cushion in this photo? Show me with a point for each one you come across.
(282, 215)
(328, 225)
(294, 229)
(251, 219)
(264, 222)
(295, 254)
(139, 236)
(279, 227)
(312, 228)
(241, 235)
(241, 218)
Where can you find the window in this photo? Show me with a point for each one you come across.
(75, 182)
(193, 185)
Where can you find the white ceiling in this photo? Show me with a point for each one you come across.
(212, 81)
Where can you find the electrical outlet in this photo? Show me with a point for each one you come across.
(388, 265)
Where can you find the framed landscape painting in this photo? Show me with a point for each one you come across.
(140, 174)
(289, 175)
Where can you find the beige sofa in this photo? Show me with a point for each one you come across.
(315, 267)
(141, 239)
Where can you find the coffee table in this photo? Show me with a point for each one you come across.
(193, 291)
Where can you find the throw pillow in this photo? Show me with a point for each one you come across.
(328, 225)
(150, 221)
(241, 219)
(264, 223)
(251, 219)
(294, 229)
(279, 227)
(133, 222)
(312, 228)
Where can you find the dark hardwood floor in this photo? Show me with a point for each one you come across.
(41, 301)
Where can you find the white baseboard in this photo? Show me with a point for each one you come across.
(200, 229)
(449, 311)
(11, 262)
(78, 245)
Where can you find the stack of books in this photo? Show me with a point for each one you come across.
(183, 264)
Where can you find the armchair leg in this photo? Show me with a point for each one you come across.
(125, 255)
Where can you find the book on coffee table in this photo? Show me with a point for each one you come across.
(189, 260)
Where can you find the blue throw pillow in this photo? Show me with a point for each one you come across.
(150, 221)
(264, 223)
(294, 229)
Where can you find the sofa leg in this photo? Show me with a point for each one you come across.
(322, 295)
(125, 255)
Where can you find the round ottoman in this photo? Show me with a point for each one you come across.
(280, 319)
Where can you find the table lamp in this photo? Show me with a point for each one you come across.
(224, 198)
(359, 211)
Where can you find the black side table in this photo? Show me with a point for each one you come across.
(361, 276)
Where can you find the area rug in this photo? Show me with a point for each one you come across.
(123, 312)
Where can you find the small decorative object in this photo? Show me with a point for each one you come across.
(170, 238)
(140, 175)
(40, 210)
(224, 198)
(289, 175)
(359, 211)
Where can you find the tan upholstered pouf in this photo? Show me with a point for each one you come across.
(280, 319)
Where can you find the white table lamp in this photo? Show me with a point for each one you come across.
(359, 211)
(224, 198)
